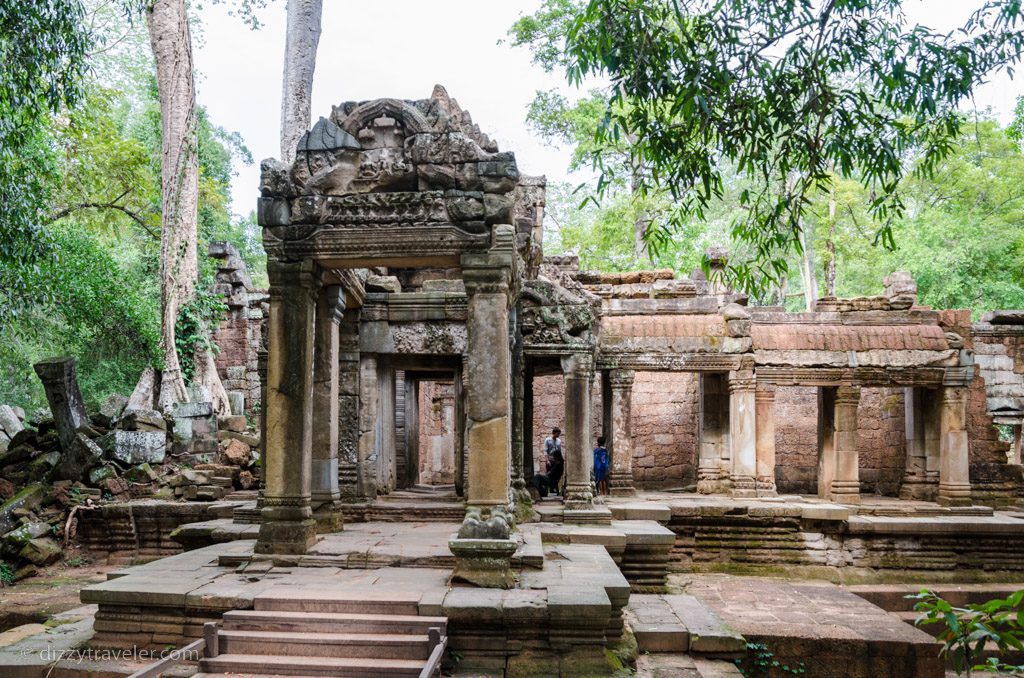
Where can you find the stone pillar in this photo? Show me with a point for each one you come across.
(60, 382)
(369, 423)
(528, 464)
(488, 403)
(519, 481)
(1014, 455)
(385, 436)
(846, 482)
(743, 432)
(578, 372)
(764, 405)
(349, 484)
(287, 525)
(954, 462)
(483, 547)
(324, 485)
(620, 432)
(713, 438)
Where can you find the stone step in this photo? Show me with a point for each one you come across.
(309, 644)
(327, 622)
(405, 511)
(335, 667)
(681, 623)
(288, 599)
(893, 597)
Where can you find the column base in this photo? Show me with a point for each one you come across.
(743, 487)
(285, 537)
(766, 487)
(328, 516)
(711, 481)
(845, 492)
(483, 562)
(578, 497)
(916, 488)
(958, 494)
(621, 484)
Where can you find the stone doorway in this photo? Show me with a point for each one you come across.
(430, 422)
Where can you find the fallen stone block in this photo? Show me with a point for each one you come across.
(9, 421)
(136, 447)
(61, 385)
(142, 420)
(41, 551)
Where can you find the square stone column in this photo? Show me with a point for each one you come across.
(620, 432)
(954, 462)
(349, 484)
(369, 424)
(578, 373)
(743, 432)
(287, 525)
(713, 438)
(324, 484)
(920, 479)
(845, 486)
(764, 405)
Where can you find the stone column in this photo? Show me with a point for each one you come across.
(743, 432)
(826, 440)
(764, 404)
(519, 481)
(325, 493)
(528, 464)
(921, 478)
(954, 462)
(287, 525)
(488, 406)
(349, 466)
(369, 423)
(620, 433)
(482, 546)
(1014, 455)
(578, 373)
(713, 439)
(846, 482)
(60, 382)
(385, 435)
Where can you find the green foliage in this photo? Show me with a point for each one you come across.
(6, 574)
(760, 662)
(192, 333)
(789, 94)
(42, 48)
(967, 630)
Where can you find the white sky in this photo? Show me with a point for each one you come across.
(401, 48)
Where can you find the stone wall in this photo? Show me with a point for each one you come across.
(549, 412)
(665, 415)
(796, 439)
(240, 334)
(437, 433)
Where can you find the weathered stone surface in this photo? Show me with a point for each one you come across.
(75, 462)
(136, 447)
(383, 283)
(61, 384)
(111, 409)
(1004, 317)
(14, 540)
(27, 499)
(9, 421)
(144, 395)
(100, 473)
(41, 551)
(142, 420)
(236, 452)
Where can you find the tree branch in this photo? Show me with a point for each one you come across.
(112, 205)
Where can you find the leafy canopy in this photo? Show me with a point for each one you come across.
(790, 93)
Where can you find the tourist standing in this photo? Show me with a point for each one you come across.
(601, 466)
(555, 459)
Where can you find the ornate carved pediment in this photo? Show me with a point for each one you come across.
(552, 315)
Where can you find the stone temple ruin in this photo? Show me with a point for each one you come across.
(418, 346)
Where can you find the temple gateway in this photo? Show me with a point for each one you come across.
(417, 349)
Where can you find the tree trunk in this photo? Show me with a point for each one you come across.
(172, 50)
(830, 246)
(303, 36)
(807, 271)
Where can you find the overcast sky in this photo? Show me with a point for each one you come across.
(401, 48)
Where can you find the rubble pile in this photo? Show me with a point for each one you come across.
(115, 454)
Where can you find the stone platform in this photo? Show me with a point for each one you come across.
(881, 540)
(567, 604)
(828, 630)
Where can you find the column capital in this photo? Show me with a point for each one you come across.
(764, 392)
(954, 395)
(578, 365)
(621, 380)
(741, 381)
(335, 302)
(486, 279)
(292, 276)
(847, 394)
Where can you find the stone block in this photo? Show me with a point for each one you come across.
(136, 447)
(41, 551)
(237, 401)
(236, 423)
(9, 422)
(142, 420)
(193, 410)
(111, 409)
(27, 499)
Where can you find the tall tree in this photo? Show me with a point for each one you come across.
(782, 90)
(303, 37)
(171, 40)
(43, 44)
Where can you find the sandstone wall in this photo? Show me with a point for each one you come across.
(665, 425)
(437, 433)
(796, 440)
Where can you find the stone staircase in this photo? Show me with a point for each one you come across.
(419, 504)
(342, 634)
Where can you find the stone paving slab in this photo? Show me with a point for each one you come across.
(683, 666)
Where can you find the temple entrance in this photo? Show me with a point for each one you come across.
(428, 429)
